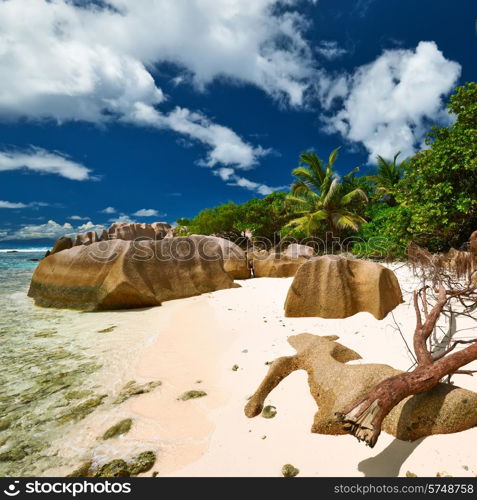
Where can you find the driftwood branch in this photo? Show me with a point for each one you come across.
(434, 361)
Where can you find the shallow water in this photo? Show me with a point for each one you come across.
(57, 367)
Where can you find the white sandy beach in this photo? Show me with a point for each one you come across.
(201, 339)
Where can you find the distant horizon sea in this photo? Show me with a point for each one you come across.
(31, 246)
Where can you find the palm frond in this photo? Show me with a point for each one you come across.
(333, 157)
(347, 220)
(332, 191)
(354, 195)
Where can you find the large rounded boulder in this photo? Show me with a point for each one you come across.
(120, 274)
(235, 259)
(63, 243)
(276, 265)
(294, 250)
(336, 287)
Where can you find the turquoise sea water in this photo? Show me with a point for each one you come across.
(43, 371)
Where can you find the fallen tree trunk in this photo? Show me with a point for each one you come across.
(364, 418)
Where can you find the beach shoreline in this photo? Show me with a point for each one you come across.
(202, 338)
(221, 343)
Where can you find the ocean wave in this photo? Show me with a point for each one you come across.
(24, 250)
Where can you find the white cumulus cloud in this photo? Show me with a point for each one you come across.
(390, 104)
(51, 230)
(109, 210)
(70, 61)
(146, 212)
(77, 217)
(11, 205)
(45, 162)
(232, 179)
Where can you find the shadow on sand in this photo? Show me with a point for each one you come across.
(389, 461)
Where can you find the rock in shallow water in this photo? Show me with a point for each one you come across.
(118, 429)
(118, 467)
(132, 388)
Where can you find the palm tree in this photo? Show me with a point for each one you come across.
(321, 199)
(387, 176)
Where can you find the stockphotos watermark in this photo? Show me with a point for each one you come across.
(66, 488)
(209, 249)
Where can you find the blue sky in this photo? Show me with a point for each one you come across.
(152, 110)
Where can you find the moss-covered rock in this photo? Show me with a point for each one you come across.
(192, 395)
(21, 451)
(132, 388)
(5, 423)
(121, 427)
(78, 394)
(82, 410)
(13, 454)
(269, 412)
(142, 463)
(115, 468)
(82, 471)
(288, 470)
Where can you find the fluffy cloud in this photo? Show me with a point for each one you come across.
(88, 226)
(42, 161)
(109, 210)
(77, 217)
(73, 61)
(330, 49)
(228, 175)
(12, 205)
(146, 212)
(49, 230)
(389, 104)
(121, 218)
(225, 147)
(69, 61)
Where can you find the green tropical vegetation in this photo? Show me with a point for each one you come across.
(429, 198)
(321, 201)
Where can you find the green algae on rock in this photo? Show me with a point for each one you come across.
(115, 468)
(82, 471)
(288, 470)
(192, 395)
(142, 463)
(5, 423)
(82, 410)
(132, 388)
(78, 394)
(116, 430)
(118, 467)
